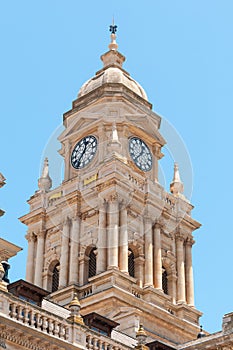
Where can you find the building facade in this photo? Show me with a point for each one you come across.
(110, 237)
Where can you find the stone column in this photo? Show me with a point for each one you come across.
(139, 275)
(157, 258)
(64, 259)
(30, 258)
(39, 258)
(67, 160)
(74, 243)
(189, 272)
(113, 231)
(180, 269)
(101, 263)
(123, 241)
(148, 252)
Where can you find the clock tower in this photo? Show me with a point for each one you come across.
(110, 232)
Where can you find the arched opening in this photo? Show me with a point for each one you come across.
(55, 277)
(131, 265)
(164, 281)
(92, 263)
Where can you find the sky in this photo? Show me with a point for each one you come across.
(181, 53)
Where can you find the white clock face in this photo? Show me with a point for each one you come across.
(140, 154)
(83, 152)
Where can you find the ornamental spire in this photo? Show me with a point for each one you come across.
(113, 28)
(176, 187)
(113, 57)
(45, 182)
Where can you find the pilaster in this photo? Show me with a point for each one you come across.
(189, 271)
(123, 240)
(101, 263)
(157, 257)
(148, 252)
(74, 244)
(113, 231)
(64, 260)
(39, 258)
(180, 268)
(30, 258)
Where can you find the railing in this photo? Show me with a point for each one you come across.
(95, 342)
(39, 319)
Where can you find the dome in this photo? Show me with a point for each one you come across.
(112, 72)
(112, 75)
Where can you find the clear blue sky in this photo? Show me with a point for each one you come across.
(181, 53)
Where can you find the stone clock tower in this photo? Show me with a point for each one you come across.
(110, 232)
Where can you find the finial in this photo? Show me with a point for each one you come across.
(113, 28)
(176, 187)
(45, 182)
(75, 307)
(141, 335)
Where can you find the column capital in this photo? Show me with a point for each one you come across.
(159, 224)
(30, 236)
(189, 241)
(179, 237)
(41, 234)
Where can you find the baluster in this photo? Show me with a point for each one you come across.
(44, 324)
(100, 344)
(62, 331)
(105, 346)
(95, 347)
(38, 321)
(89, 343)
(66, 333)
(32, 317)
(56, 329)
(26, 315)
(13, 311)
(50, 326)
(20, 313)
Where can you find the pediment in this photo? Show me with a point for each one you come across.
(78, 127)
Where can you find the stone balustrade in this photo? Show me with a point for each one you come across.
(37, 318)
(100, 342)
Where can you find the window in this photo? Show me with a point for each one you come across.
(92, 263)
(55, 278)
(164, 281)
(131, 268)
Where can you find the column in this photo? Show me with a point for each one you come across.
(101, 263)
(180, 269)
(30, 258)
(39, 258)
(64, 259)
(157, 258)
(123, 241)
(113, 231)
(139, 275)
(189, 271)
(148, 252)
(67, 160)
(74, 243)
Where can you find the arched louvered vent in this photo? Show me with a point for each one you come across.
(92, 263)
(131, 267)
(55, 278)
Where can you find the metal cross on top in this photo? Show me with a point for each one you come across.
(113, 28)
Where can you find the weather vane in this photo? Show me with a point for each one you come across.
(113, 27)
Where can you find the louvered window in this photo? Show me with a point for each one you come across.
(131, 263)
(164, 281)
(55, 278)
(92, 263)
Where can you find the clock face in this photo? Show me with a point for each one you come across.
(83, 152)
(140, 154)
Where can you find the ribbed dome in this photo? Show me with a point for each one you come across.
(112, 75)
